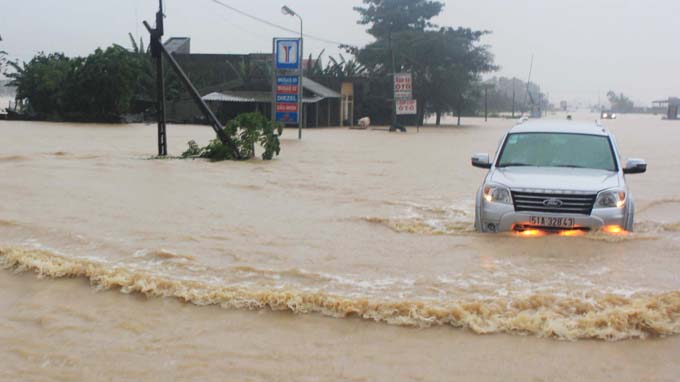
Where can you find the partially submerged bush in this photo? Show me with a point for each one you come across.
(245, 131)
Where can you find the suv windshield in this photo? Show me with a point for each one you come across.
(557, 150)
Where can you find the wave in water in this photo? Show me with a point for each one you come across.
(607, 317)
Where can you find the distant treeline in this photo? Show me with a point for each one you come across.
(101, 87)
(507, 94)
(446, 64)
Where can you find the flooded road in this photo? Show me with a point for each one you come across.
(371, 229)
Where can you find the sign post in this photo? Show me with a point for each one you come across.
(287, 84)
(403, 95)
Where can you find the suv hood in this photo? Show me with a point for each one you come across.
(555, 178)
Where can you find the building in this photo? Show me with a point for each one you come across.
(672, 105)
(238, 83)
(178, 45)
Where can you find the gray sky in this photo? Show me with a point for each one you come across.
(582, 48)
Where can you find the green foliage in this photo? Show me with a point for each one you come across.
(344, 69)
(246, 130)
(250, 72)
(103, 86)
(43, 81)
(446, 63)
(390, 16)
(145, 74)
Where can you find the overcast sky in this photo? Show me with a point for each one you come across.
(581, 48)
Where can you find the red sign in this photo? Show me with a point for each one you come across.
(403, 86)
(408, 106)
(287, 89)
(287, 107)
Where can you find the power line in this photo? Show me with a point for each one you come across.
(277, 26)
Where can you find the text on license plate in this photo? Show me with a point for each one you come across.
(552, 221)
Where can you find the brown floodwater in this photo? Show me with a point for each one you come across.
(351, 256)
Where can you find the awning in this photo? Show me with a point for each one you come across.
(238, 96)
(319, 89)
(319, 92)
(250, 97)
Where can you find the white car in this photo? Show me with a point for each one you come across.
(555, 175)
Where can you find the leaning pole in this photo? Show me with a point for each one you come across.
(158, 51)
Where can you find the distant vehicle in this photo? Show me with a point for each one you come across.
(607, 114)
(555, 176)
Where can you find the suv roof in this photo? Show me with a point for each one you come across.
(556, 126)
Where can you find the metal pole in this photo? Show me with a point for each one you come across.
(486, 103)
(273, 101)
(160, 94)
(394, 98)
(300, 87)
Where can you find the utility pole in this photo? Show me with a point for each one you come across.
(531, 67)
(156, 52)
(394, 71)
(159, 51)
(302, 120)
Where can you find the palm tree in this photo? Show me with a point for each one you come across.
(343, 69)
(248, 71)
(3, 54)
(146, 81)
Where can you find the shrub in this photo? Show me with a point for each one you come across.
(245, 131)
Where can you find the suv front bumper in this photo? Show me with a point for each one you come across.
(496, 217)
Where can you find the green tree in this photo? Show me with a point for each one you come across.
(99, 87)
(145, 82)
(105, 85)
(43, 82)
(391, 16)
(343, 69)
(620, 103)
(251, 72)
(445, 63)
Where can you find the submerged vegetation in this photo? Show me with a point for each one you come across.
(245, 131)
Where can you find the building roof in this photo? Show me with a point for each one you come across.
(557, 126)
(319, 89)
(320, 92)
(238, 96)
(178, 45)
(672, 101)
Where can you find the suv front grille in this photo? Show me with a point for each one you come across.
(553, 202)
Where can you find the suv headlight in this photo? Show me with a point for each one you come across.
(497, 194)
(610, 199)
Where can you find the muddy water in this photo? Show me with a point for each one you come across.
(371, 229)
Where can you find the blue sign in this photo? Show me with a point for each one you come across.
(286, 117)
(287, 80)
(288, 54)
(288, 98)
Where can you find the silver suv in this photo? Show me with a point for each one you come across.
(555, 176)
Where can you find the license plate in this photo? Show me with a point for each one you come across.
(552, 221)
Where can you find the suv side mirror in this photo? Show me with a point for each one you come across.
(481, 161)
(635, 166)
